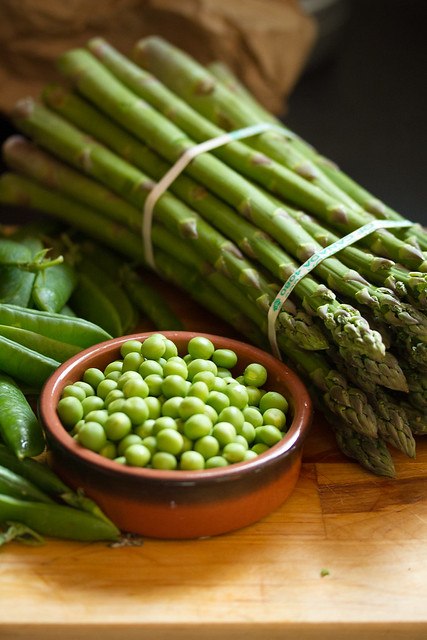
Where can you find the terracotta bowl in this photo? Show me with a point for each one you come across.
(180, 504)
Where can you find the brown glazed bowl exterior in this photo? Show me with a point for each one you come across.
(180, 504)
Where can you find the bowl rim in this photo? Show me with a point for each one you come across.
(298, 429)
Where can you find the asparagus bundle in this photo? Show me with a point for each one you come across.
(233, 226)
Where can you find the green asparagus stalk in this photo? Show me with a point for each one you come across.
(347, 402)
(94, 80)
(223, 254)
(371, 453)
(346, 324)
(189, 80)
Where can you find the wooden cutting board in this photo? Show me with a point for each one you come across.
(344, 557)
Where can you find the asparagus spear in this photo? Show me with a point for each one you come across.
(199, 88)
(348, 327)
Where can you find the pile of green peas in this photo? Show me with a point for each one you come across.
(153, 408)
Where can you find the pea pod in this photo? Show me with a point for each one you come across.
(55, 349)
(108, 285)
(16, 486)
(43, 477)
(92, 304)
(76, 331)
(19, 427)
(13, 253)
(24, 364)
(53, 287)
(57, 520)
(16, 284)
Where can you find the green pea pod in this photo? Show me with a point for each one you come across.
(67, 311)
(12, 484)
(13, 253)
(24, 364)
(53, 287)
(91, 303)
(43, 477)
(115, 294)
(19, 427)
(58, 326)
(57, 520)
(16, 284)
(55, 349)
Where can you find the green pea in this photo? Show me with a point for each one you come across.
(250, 454)
(105, 386)
(93, 376)
(233, 415)
(137, 455)
(254, 395)
(164, 461)
(132, 361)
(174, 386)
(154, 407)
(124, 443)
(255, 375)
(191, 405)
(70, 411)
(247, 430)
(92, 436)
(211, 413)
(87, 388)
(218, 400)
(197, 426)
(154, 382)
(260, 447)
(145, 429)
(136, 409)
(208, 377)
(191, 461)
(237, 394)
(176, 368)
(224, 432)
(216, 461)
(225, 358)
(112, 395)
(109, 450)
(234, 452)
(273, 399)
(117, 426)
(91, 403)
(153, 347)
(200, 347)
(276, 417)
(116, 405)
(150, 366)
(199, 389)
(113, 375)
(75, 391)
(164, 422)
(224, 373)
(198, 365)
(219, 384)
(135, 387)
(268, 434)
(116, 365)
(98, 415)
(171, 406)
(171, 350)
(253, 415)
(170, 441)
(120, 460)
(151, 443)
(126, 376)
(130, 346)
(207, 446)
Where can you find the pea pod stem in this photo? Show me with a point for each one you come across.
(21, 533)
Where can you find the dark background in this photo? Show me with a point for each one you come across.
(363, 99)
(364, 104)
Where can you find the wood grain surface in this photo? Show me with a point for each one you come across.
(344, 557)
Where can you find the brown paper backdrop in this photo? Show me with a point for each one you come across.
(265, 42)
